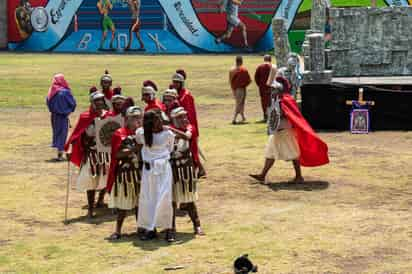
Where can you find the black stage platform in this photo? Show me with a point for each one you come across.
(324, 106)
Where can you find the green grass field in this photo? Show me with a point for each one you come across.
(307, 4)
(352, 216)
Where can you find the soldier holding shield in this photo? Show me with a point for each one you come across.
(123, 182)
(93, 165)
(184, 169)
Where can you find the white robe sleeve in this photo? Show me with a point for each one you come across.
(140, 136)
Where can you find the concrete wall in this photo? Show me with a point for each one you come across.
(371, 41)
(3, 24)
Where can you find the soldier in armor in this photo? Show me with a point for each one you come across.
(117, 101)
(184, 170)
(291, 137)
(93, 164)
(282, 143)
(187, 101)
(169, 99)
(292, 73)
(123, 182)
(149, 97)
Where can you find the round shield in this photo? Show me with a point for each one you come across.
(106, 132)
(274, 117)
(39, 19)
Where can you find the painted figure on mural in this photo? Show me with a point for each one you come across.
(22, 17)
(231, 7)
(134, 6)
(104, 7)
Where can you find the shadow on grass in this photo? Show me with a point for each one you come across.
(152, 245)
(306, 186)
(102, 215)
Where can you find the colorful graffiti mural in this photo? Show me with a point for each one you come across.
(151, 26)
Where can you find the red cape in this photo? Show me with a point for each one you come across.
(155, 104)
(117, 139)
(241, 78)
(187, 101)
(77, 153)
(313, 151)
(194, 148)
(108, 94)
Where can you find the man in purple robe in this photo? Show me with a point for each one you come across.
(61, 103)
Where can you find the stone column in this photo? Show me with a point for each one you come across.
(316, 52)
(280, 41)
(318, 16)
(3, 24)
(316, 73)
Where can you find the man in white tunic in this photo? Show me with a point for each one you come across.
(155, 201)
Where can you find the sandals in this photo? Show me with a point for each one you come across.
(148, 235)
(170, 236)
(257, 177)
(115, 236)
(199, 231)
(101, 205)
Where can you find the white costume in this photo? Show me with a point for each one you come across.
(155, 201)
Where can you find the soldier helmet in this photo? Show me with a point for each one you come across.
(96, 96)
(133, 111)
(177, 112)
(170, 92)
(177, 77)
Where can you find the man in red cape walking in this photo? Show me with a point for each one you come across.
(292, 138)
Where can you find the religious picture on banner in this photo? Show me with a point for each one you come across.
(105, 129)
(22, 15)
(359, 121)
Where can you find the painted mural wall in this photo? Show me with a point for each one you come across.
(147, 26)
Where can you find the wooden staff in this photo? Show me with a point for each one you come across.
(67, 191)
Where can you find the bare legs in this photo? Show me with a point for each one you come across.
(228, 33)
(111, 40)
(298, 172)
(240, 100)
(90, 201)
(135, 29)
